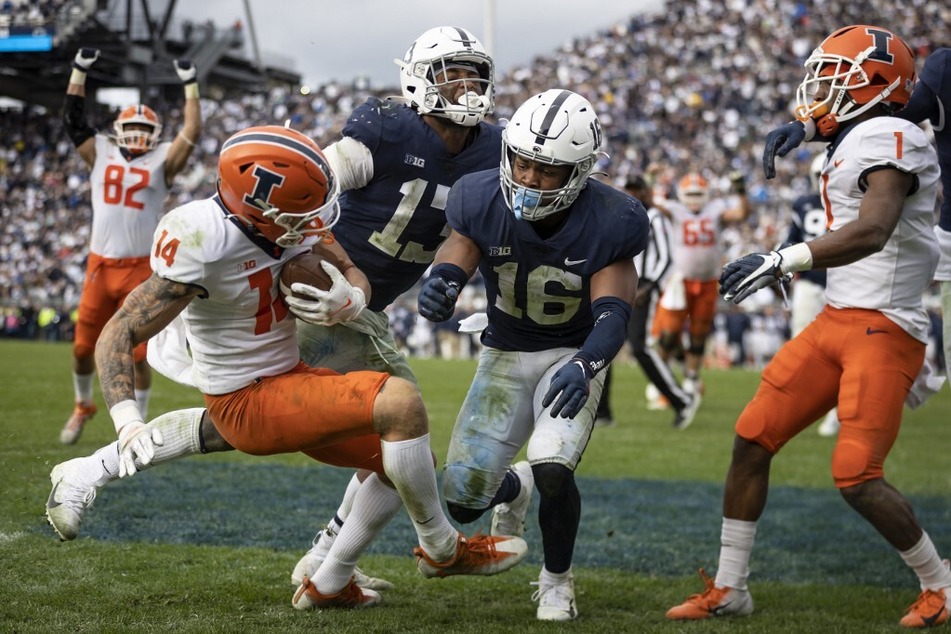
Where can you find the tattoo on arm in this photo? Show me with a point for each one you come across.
(145, 312)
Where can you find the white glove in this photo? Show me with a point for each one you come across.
(343, 302)
(85, 58)
(137, 440)
(186, 70)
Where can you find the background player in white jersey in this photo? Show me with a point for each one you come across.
(277, 198)
(131, 174)
(555, 249)
(690, 297)
(930, 102)
(867, 346)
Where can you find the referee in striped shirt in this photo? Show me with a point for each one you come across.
(652, 266)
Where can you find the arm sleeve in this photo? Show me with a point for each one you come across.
(351, 161)
(74, 119)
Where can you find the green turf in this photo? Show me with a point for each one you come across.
(208, 544)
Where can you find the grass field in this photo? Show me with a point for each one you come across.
(207, 544)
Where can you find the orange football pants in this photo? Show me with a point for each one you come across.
(701, 308)
(320, 412)
(108, 282)
(857, 358)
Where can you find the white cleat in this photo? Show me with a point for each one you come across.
(829, 426)
(310, 562)
(74, 489)
(508, 518)
(556, 601)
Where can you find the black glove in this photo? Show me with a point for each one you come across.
(746, 275)
(737, 182)
(437, 298)
(571, 381)
(780, 142)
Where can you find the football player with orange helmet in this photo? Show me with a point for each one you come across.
(690, 294)
(131, 173)
(277, 198)
(864, 350)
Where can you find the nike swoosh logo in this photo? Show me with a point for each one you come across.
(719, 610)
(52, 503)
(838, 162)
(929, 621)
(873, 331)
(570, 262)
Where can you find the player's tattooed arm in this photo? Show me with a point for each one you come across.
(145, 312)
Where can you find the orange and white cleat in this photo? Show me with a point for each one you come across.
(477, 555)
(713, 601)
(929, 610)
(83, 411)
(306, 597)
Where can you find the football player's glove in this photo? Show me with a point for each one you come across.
(343, 302)
(746, 275)
(137, 440)
(779, 142)
(571, 385)
(85, 58)
(186, 70)
(437, 298)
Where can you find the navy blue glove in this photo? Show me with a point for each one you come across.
(746, 275)
(437, 298)
(571, 383)
(780, 142)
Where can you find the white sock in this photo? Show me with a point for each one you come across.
(924, 560)
(551, 578)
(180, 431)
(374, 506)
(409, 466)
(736, 544)
(343, 511)
(142, 398)
(82, 387)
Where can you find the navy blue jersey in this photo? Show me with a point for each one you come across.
(539, 291)
(808, 223)
(936, 75)
(392, 226)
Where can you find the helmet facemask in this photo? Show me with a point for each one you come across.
(299, 226)
(557, 127)
(137, 141)
(431, 72)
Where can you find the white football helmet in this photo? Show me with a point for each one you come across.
(557, 127)
(423, 75)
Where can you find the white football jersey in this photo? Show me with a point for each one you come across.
(241, 330)
(695, 238)
(893, 280)
(128, 199)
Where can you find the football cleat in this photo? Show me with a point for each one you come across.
(82, 412)
(556, 601)
(713, 601)
(930, 609)
(508, 518)
(655, 400)
(685, 416)
(351, 596)
(829, 426)
(310, 562)
(477, 555)
(74, 489)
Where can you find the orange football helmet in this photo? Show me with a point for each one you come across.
(278, 180)
(693, 191)
(129, 129)
(854, 69)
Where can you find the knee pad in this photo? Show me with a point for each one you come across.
(462, 514)
(669, 341)
(852, 464)
(552, 479)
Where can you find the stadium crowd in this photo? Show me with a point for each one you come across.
(694, 87)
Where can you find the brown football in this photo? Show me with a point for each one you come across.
(305, 268)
